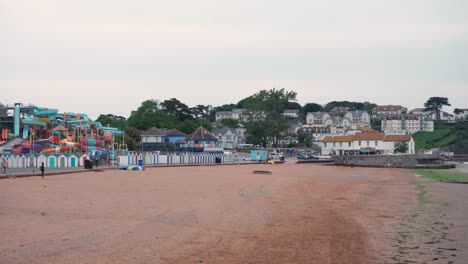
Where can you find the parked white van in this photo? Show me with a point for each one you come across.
(276, 156)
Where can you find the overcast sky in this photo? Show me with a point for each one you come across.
(103, 56)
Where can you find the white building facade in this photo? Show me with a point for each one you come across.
(229, 138)
(406, 124)
(365, 143)
(234, 114)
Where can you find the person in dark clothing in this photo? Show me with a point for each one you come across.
(42, 170)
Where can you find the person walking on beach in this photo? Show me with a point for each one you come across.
(42, 170)
(4, 167)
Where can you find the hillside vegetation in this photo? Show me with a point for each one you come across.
(448, 137)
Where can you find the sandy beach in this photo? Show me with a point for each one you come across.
(226, 214)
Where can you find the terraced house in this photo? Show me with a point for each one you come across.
(406, 124)
(383, 110)
(351, 119)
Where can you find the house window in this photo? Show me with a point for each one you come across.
(220, 137)
(340, 144)
(334, 144)
(367, 143)
(359, 143)
(349, 144)
(376, 142)
(228, 137)
(325, 144)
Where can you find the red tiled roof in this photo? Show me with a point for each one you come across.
(338, 139)
(202, 133)
(369, 136)
(363, 136)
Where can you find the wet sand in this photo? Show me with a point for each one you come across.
(299, 214)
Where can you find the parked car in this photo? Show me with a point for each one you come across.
(313, 157)
(276, 156)
(246, 158)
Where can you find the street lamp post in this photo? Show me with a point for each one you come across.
(31, 150)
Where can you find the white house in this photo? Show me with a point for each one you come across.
(444, 116)
(358, 118)
(406, 124)
(317, 119)
(223, 115)
(291, 113)
(462, 114)
(350, 119)
(229, 138)
(237, 112)
(152, 135)
(391, 140)
(234, 114)
(364, 143)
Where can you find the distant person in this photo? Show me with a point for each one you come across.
(42, 170)
(4, 168)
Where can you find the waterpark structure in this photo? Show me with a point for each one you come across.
(41, 130)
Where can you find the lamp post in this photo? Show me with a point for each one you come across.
(31, 150)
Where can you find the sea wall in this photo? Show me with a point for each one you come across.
(404, 160)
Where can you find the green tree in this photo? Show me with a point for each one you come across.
(376, 124)
(176, 109)
(189, 125)
(244, 102)
(132, 138)
(148, 115)
(305, 139)
(230, 122)
(353, 105)
(111, 120)
(201, 111)
(293, 106)
(311, 107)
(368, 107)
(435, 104)
(264, 119)
(401, 147)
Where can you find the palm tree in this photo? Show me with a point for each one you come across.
(435, 104)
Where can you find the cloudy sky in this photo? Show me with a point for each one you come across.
(103, 56)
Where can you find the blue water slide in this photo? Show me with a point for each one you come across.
(33, 122)
(25, 131)
(43, 112)
(98, 124)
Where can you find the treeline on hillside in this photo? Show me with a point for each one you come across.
(263, 117)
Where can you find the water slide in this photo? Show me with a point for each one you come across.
(65, 145)
(29, 122)
(8, 145)
(112, 130)
(56, 150)
(42, 112)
